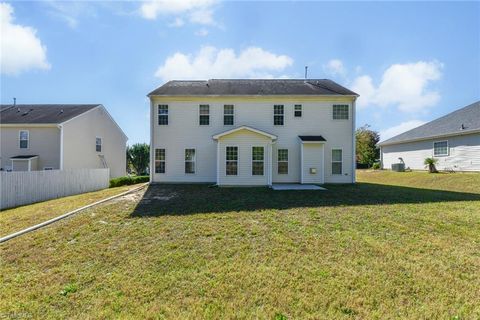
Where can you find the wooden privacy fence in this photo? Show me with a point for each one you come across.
(25, 187)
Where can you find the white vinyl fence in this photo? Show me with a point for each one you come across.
(25, 187)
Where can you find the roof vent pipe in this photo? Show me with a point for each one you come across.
(306, 73)
(14, 101)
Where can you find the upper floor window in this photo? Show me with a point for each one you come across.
(440, 148)
(98, 144)
(337, 161)
(298, 110)
(190, 160)
(231, 165)
(162, 114)
(257, 161)
(278, 115)
(159, 160)
(340, 112)
(204, 115)
(282, 161)
(228, 114)
(24, 137)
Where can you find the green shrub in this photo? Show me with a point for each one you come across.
(376, 166)
(128, 180)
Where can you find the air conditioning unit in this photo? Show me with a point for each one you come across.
(398, 167)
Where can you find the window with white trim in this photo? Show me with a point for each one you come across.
(297, 111)
(24, 137)
(162, 114)
(204, 114)
(282, 161)
(257, 161)
(340, 112)
(160, 160)
(231, 165)
(228, 115)
(337, 161)
(98, 144)
(190, 160)
(440, 148)
(278, 115)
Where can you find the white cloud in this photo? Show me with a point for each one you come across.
(402, 127)
(335, 67)
(70, 11)
(20, 48)
(211, 62)
(403, 85)
(198, 11)
(202, 32)
(178, 22)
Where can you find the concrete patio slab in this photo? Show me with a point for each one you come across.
(294, 186)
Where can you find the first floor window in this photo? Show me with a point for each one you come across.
(282, 161)
(24, 137)
(98, 144)
(340, 112)
(257, 161)
(189, 160)
(337, 161)
(162, 114)
(278, 115)
(440, 148)
(298, 110)
(231, 161)
(159, 160)
(228, 115)
(204, 115)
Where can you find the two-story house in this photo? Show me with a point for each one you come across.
(56, 137)
(252, 132)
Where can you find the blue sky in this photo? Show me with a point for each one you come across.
(410, 62)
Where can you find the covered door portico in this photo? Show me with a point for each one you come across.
(312, 159)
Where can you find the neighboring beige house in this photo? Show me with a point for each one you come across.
(454, 140)
(52, 137)
(252, 132)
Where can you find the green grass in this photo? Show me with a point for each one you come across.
(16, 219)
(390, 247)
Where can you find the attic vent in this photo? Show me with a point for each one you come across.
(18, 109)
(462, 127)
(61, 110)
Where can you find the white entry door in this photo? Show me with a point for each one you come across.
(312, 163)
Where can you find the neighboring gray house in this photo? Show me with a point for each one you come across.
(252, 132)
(52, 137)
(454, 140)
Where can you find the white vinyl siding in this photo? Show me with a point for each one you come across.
(24, 139)
(204, 115)
(337, 161)
(228, 115)
(463, 154)
(340, 112)
(258, 114)
(190, 159)
(162, 114)
(440, 148)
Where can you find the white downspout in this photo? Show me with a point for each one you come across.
(218, 163)
(152, 141)
(61, 146)
(354, 157)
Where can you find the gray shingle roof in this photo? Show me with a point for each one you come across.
(312, 138)
(461, 121)
(251, 87)
(41, 113)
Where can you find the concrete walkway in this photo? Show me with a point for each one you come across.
(294, 186)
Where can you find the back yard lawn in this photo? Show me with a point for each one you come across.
(396, 245)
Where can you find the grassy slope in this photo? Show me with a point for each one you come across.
(365, 251)
(12, 220)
